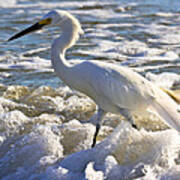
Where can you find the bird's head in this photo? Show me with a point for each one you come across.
(53, 18)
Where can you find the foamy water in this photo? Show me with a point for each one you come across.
(44, 129)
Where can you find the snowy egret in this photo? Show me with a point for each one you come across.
(114, 88)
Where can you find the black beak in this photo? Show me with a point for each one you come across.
(32, 28)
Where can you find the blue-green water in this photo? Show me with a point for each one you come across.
(137, 33)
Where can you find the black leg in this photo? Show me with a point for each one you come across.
(95, 135)
(100, 114)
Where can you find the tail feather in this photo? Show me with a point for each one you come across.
(166, 108)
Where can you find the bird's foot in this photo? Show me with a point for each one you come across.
(134, 126)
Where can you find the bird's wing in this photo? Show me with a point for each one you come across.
(119, 85)
(130, 90)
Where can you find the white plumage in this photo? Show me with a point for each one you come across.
(114, 88)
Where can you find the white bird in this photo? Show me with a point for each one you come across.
(114, 88)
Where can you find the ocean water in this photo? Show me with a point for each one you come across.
(44, 132)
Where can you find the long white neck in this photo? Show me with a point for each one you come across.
(58, 50)
(68, 37)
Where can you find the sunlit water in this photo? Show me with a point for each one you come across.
(42, 120)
